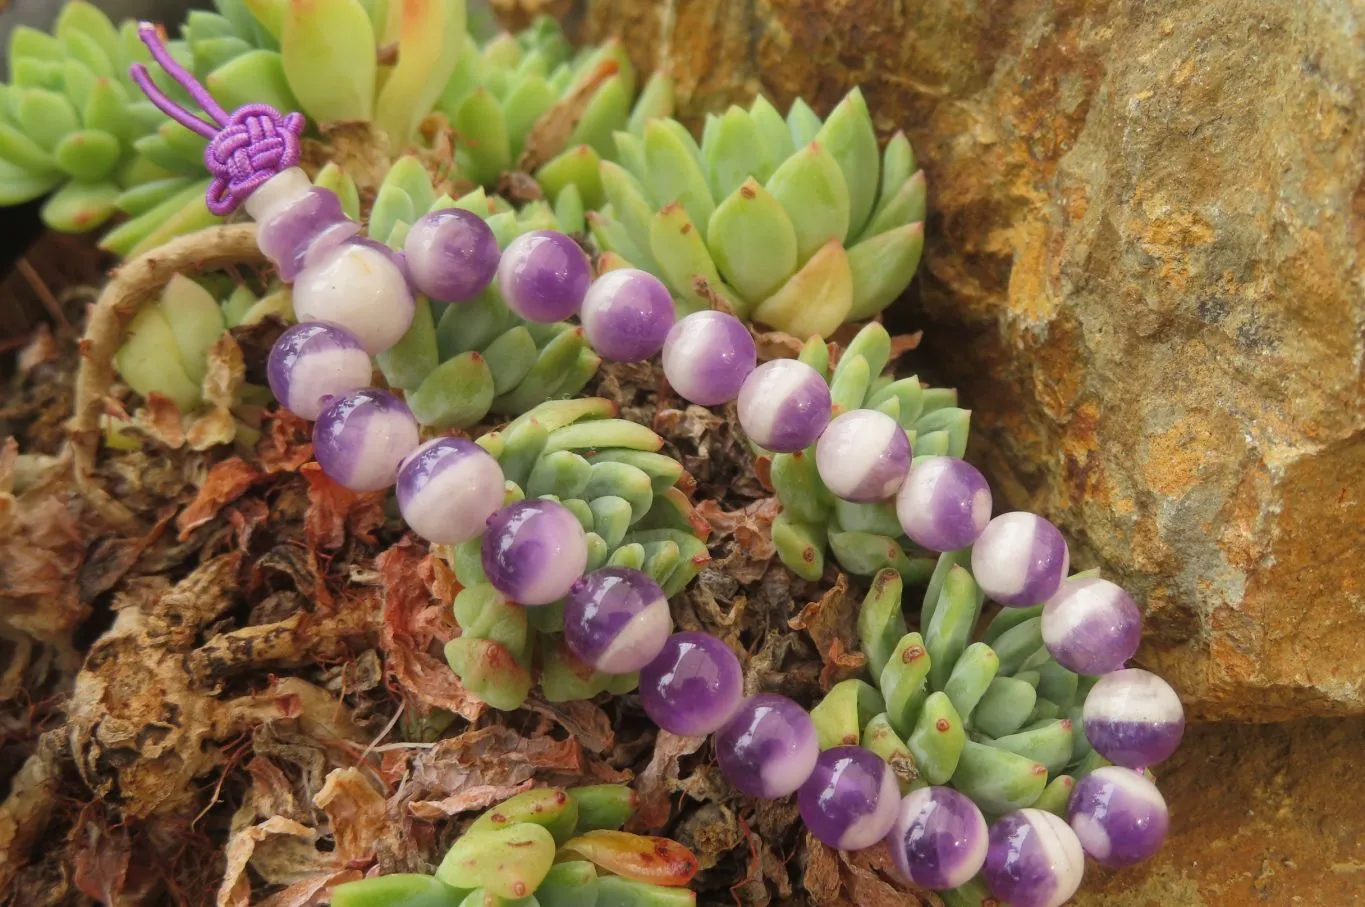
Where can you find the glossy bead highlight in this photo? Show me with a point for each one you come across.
(693, 686)
(707, 357)
(543, 276)
(452, 255)
(534, 551)
(1033, 860)
(851, 799)
(863, 456)
(1020, 560)
(768, 749)
(616, 619)
(360, 439)
(784, 405)
(627, 315)
(358, 287)
(312, 363)
(1133, 718)
(945, 503)
(1119, 816)
(1091, 626)
(447, 490)
(939, 839)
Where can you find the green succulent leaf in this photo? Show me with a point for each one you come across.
(773, 132)
(148, 363)
(509, 862)
(849, 137)
(486, 149)
(883, 267)
(430, 33)
(675, 175)
(87, 154)
(255, 77)
(735, 153)
(752, 242)
(680, 253)
(655, 101)
(802, 123)
(397, 890)
(812, 190)
(327, 47)
(80, 206)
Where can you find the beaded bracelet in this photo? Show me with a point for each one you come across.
(355, 298)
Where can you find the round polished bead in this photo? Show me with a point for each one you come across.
(851, 799)
(297, 222)
(1033, 859)
(707, 356)
(311, 363)
(863, 456)
(534, 551)
(452, 255)
(693, 686)
(1091, 626)
(627, 315)
(1133, 718)
(939, 839)
(543, 276)
(945, 503)
(1020, 560)
(617, 619)
(768, 749)
(447, 490)
(361, 438)
(358, 287)
(784, 405)
(1119, 816)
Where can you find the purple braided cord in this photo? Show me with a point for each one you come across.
(245, 149)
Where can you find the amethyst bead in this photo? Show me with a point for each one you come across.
(769, 748)
(945, 503)
(851, 799)
(863, 456)
(447, 490)
(627, 315)
(939, 839)
(617, 620)
(543, 276)
(707, 357)
(1091, 626)
(1020, 560)
(312, 363)
(693, 686)
(360, 439)
(1033, 860)
(297, 222)
(452, 255)
(533, 551)
(358, 286)
(1133, 718)
(1118, 815)
(784, 405)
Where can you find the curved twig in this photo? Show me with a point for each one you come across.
(132, 284)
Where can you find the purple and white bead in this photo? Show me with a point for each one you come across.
(312, 363)
(543, 276)
(297, 222)
(447, 490)
(534, 551)
(627, 315)
(1118, 815)
(361, 438)
(945, 503)
(617, 620)
(1033, 859)
(851, 799)
(707, 356)
(784, 405)
(1133, 718)
(863, 456)
(769, 748)
(1091, 626)
(694, 685)
(939, 839)
(358, 286)
(1020, 559)
(452, 255)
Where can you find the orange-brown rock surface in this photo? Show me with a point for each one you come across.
(1143, 268)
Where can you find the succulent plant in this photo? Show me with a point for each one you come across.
(627, 498)
(997, 719)
(798, 224)
(864, 537)
(549, 847)
(68, 121)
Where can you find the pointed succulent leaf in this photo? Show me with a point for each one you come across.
(147, 361)
(998, 780)
(196, 321)
(734, 153)
(881, 624)
(392, 206)
(630, 153)
(898, 164)
(907, 206)
(339, 181)
(1056, 795)
(802, 123)
(91, 58)
(178, 215)
(408, 362)
(798, 486)
(877, 519)
(752, 242)
(1005, 707)
(564, 677)
(397, 890)
(971, 677)
(938, 739)
(455, 394)
(485, 146)
(663, 470)
(849, 383)
(908, 394)
(873, 344)
(576, 166)
(105, 109)
(674, 175)
(800, 545)
(525, 104)
(1057, 684)
(255, 77)
(864, 553)
(955, 423)
(849, 137)
(881, 738)
(628, 202)
(843, 713)
(772, 131)
(46, 117)
(510, 862)
(883, 267)
(87, 20)
(484, 613)
(543, 379)
(23, 153)
(569, 211)
(815, 353)
(655, 101)
(327, 47)
(270, 14)
(510, 358)
(1007, 619)
(28, 43)
(430, 35)
(679, 251)
(80, 206)
(607, 113)
(812, 190)
(139, 199)
(78, 81)
(1015, 645)
(641, 858)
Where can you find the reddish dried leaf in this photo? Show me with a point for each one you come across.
(225, 374)
(478, 797)
(493, 756)
(113, 556)
(305, 893)
(102, 858)
(357, 812)
(161, 421)
(225, 482)
(832, 623)
(841, 664)
(235, 889)
(659, 861)
(588, 724)
(332, 508)
(659, 779)
(866, 887)
(214, 428)
(41, 348)
(288, 443)
(751, 528)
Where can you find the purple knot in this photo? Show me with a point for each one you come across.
(254, 145)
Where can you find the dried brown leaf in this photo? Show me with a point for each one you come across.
(358, 815)
(551, 133)
(160, 420)
(582, 718)
(226, 373)
(333, 509)
(832, 623)
(235, 890)
(493, 757)
(478, 797)
(658, 781)
(40, 349)
(214, 428)
(308, 892)
(25, 811)
(286, 444)
(821, 877)
(102, 858)
(226, 482)
(111, 557)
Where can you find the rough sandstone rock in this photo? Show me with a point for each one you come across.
(1144, 270)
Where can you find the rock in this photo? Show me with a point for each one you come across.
(1143, 269)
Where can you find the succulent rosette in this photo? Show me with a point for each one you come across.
(799, 224)
(632, 513)
(548, 846)
(878, 530)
